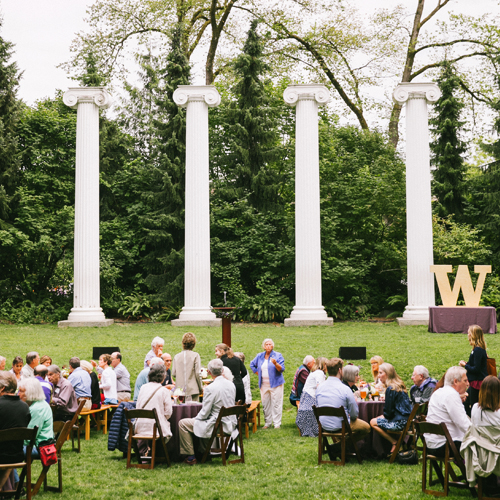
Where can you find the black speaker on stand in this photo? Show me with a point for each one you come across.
(352, 352)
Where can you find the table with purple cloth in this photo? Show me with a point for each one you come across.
(458, 319)
(373, 445)
(186, 410)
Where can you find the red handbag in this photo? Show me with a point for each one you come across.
(48, 452)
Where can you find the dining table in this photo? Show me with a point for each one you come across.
(373, 445)
(179, 411)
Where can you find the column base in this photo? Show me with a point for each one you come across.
(412, 322)
(197, 322)
(197, 316)
(82, 323)
(308, 322)
(414, 315)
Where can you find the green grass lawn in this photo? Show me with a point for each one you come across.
(279, 463)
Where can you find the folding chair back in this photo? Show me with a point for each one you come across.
(409, 430)
(20, 434)
(451, 455)
(344, 433)
(75, 428)
(133, 438)
(226, 442)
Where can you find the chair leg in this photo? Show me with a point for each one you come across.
(153, 452)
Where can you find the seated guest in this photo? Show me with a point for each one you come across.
(481, 443)
(13, 413)
(94, 384)
(156, 350)
(154, 396)
(46, 360)
(219, 393)
(123, 390)
(375, 362)
(167, 359)
(81, 382)
(423, 386)
(142, 378)
(31, 392)
(108, 380)
(350, 377)
(334, 393)
(299, 380)
(446, 406)
(17, 368)
(41, 374)
(306, 420)
(397, 406)
(64, 400)
(32, 360)
(2, 363)
(246, 380)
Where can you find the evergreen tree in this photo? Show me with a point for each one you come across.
(449, 177)
(253, 141)
(10, 108)
(164, 222)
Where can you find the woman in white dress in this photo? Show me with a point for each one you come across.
(306, 420)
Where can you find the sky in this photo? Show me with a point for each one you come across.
(42, 31)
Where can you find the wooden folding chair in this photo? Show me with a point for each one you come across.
(61, 433)
(451, 456)
(76, 428)
(225, 440)
(253, 417)
(344, 434)
(408, 431)
(156, 436)
(19, 434)
(480, 494)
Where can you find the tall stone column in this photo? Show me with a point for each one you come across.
(86, 309)
(197, 310)
(308, 309)
(418, 200)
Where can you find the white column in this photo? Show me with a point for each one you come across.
(86, 309)
(197, 310)
(418, 200)
(308, 309)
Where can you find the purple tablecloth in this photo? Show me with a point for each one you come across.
(458, 319)
(372, 446)
(187, 410)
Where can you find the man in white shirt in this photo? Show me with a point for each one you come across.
(122, 378)
(32, 360)
(446, 406)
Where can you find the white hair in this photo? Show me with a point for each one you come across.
(33, 388)
(455, 373)
(349, 373)
(308, 359)
(227, 374)
(156, 361)
(215, 367)
(157, 341)
(421, 370)
(267, 340)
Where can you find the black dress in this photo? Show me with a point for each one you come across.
(13, 413)
(239, 371)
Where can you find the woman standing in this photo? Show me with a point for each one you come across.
(306, 420)
(187, 369)
(108, 380)
(480, 446)
(31, 392)
(397, 406)
(476, 366)
(226, 355)
(270, 366)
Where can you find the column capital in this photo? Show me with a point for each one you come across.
(294, 93)
(406, 90)
(98, 95)
(185, 93)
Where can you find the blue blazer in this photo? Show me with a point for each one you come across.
(275, 378)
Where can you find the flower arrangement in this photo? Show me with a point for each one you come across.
(178, 392)
(204, 373)
(224, 312)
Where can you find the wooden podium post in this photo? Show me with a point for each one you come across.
(226, 315)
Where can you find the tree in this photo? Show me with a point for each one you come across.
(251, 132)
(448, 183)
(10, 110)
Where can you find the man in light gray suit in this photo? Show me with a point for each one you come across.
(219, 393)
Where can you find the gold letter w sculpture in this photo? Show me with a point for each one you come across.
(463, 281)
